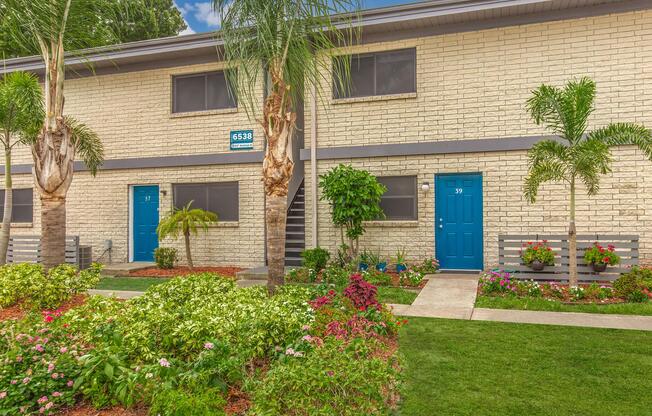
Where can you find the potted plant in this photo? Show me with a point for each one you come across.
(599, 257)
(364, 260)
(537, 255)
(375, 259)
(401, 265)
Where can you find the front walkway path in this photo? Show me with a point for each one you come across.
(453, 296)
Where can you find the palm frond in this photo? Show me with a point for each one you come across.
(87, 144)
(297, 38)
(577, 105)
(543, 171)
(21, 106)
(185, 220)
(617, 134)
(548, 151)
(545, 108)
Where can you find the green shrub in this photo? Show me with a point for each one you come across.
(28, 283)
(315, 258)
(637, 296)
(183, 402)
(377, 278)
(300, 275)
(335, 275)
(331, 380)
(166, 257)
(631, 281)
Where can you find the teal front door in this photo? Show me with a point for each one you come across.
(145, 221)
(458, 221)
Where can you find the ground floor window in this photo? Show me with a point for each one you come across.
(22, 206)
(222, 198)
(400, 200)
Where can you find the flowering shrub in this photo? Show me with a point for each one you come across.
(336, 378)
(39, 364)
(576, 292)
(428, 266)
(30, 284)
(527, 288)
(599, 255)
(495, 282)
(361, 293)
(376, 277)
(539, 251)
(411, 277)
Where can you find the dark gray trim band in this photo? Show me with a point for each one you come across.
(426, 148)
(162, 162)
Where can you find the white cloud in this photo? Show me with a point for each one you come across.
(184, 11)
(187, 31)
(204, 12)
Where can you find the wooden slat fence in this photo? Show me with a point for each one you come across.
(509, 256)
(27, 249)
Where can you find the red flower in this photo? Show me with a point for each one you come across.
(606, 260)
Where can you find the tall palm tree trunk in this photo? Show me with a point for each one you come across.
(186, 238)
(53, 231)
(572, 239)
(279, 124)
(5, 232)
(53, 155)
(276, 218)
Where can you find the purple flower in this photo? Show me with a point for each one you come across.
(164, 363)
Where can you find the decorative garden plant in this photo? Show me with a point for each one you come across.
(578, 156)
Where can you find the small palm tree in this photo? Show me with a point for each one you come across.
(50, 28)
(21, 117)
(579, 156)
(287, 45)
(185, 221)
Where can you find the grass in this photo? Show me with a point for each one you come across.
(540, 304)
(129, 283)
(487, 368)
(396, 295)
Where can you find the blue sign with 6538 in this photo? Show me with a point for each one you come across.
(242, 139)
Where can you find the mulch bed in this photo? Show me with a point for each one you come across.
(86, 410)
(19, 311)
(182, 271)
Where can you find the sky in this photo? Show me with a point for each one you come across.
(200, 17)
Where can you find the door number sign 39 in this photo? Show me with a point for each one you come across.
(242, 139)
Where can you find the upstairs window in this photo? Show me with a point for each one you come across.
(201, 92)
(399, 202)
(380, 73)
(22, 207)
(222, 198)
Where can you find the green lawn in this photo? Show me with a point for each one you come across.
(396, 295)
(129, 283)
(487, 368)
(539, 304)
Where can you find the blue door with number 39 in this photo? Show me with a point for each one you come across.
(145, 204)
(458, 221)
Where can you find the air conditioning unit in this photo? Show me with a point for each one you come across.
(85, 257)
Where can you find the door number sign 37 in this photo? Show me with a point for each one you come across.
(242, 139)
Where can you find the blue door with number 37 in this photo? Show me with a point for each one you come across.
(145, 221)
(458, 221)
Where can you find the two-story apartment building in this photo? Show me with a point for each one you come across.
(436, 111)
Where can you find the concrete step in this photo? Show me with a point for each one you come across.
(256, 273)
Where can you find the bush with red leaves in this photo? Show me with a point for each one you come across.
(361, 293)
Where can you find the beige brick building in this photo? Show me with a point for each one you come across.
(446, 102)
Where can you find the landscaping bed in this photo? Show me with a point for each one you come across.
(198, 345)
(182, 271)
(630, 294)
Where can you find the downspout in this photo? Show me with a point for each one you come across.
(313, 164)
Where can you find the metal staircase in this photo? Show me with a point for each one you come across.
(295, 229)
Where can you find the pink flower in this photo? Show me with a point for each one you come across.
(307, 338)
(63, 350)
(39, 348)
(41, 410)
(306, 328)
(49, 406)
(70, 383)
(50, 367)
(3, 394)
(55, 376)
(56, 394)
(14, 381)
(163, 362)
(208, 346)
(26, 380)
(19, 359)
(42, 400)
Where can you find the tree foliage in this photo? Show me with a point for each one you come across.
(114, 21)
(354, 196)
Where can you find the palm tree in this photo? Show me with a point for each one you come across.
(293, 41)
(51, 27)
(21, 117)
(185, 221)
(579, 157)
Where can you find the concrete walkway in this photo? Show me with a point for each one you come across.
(453, 296)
